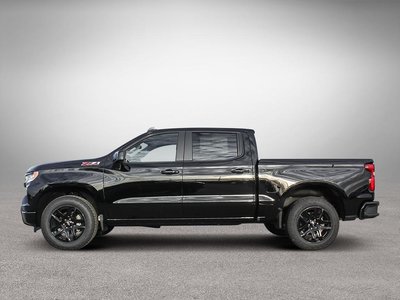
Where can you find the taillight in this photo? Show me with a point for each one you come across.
(371, 169)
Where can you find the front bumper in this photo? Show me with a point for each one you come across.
(28, 216)
(369, 210)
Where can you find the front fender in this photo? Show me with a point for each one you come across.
(65, 180)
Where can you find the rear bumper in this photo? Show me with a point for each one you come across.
(369, 210)
(28, 216)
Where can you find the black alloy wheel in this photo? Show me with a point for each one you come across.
(312, 223)
(69, 222)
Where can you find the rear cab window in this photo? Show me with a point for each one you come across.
(214, 146)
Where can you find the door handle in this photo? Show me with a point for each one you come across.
(240, 171)
(169, 172)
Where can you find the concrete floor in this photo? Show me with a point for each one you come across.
(217, 262)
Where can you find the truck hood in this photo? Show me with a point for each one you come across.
(83, 163)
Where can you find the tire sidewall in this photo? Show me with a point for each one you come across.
(89, 215)
(294, 214)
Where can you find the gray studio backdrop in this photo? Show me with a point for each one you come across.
(313, 78)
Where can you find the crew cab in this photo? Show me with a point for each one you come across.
(197, 176)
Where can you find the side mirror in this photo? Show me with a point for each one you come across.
(120, 162)
(119, 156)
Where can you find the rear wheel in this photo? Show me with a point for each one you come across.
(69, 222)
(312, 223)
(277, 231)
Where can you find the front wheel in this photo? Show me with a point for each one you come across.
(312, 223)
(69, 222)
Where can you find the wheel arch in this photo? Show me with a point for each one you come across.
(52, 192)
(332, 193)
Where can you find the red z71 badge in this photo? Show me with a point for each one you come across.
(89, 163)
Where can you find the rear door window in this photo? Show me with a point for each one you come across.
(208, 146)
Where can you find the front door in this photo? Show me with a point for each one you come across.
(152, 188)
(219, 177)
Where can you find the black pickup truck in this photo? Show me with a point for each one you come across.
(197, 176)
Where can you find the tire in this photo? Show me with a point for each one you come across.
(69, 222)
(312, 223)
(277, 231)
(107, 230)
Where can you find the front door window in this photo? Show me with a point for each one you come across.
(156, 148)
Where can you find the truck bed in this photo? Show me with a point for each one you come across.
(323, 161)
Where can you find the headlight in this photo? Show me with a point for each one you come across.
(29, 177)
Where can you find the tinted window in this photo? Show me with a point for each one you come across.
(160, 147)
(214, 145)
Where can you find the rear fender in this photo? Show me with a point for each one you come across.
(330, 191)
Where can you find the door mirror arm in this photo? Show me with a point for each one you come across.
(120, 162)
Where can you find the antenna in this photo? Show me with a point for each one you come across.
(151, 129)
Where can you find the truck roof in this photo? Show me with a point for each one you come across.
(203, 128)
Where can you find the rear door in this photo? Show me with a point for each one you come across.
(218, 176)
